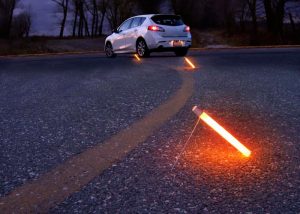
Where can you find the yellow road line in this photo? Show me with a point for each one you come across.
(56, 185)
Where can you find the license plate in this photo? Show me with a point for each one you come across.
(177, 43)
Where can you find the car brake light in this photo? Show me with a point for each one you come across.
(156, 28)
(187, 29)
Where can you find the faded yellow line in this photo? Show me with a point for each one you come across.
(56, 185)
(246, 47)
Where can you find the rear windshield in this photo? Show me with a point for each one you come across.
(170, 20)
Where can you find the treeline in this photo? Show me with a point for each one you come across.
(87, 17)
(239, 15)
(231, 15)
(10, 25)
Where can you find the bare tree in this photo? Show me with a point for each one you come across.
(292, 22)
(97, 9)
(149, 6)
(102, 7)
(201, 13)
(292, 14)
(6, 16)
(95, 17)
(27, 23)
(93, 6)
(252, 8)
(275, 11)
(64, 5)
(80, 23)
(119, 10)
(84, 22)
(242, 14)
(21, 25)
(186, 9)
(76, 12)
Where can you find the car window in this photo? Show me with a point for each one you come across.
(170, 20)
(135, 22)
(142, 19)
(125, 25)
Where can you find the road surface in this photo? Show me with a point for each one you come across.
(54, 109)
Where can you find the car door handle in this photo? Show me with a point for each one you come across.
(135, 30)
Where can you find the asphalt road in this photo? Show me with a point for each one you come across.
(53, 108)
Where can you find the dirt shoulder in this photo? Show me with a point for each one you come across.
(41, 45)
(201, 39)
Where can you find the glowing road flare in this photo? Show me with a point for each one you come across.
(137, 57)
(221, 131)
(189, 62)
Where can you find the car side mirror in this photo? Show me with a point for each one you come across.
(115, 31)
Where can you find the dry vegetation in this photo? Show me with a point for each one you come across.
(37, 45)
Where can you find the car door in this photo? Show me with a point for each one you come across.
(120, 36)
(132, 34)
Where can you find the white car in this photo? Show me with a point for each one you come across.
(148, 33)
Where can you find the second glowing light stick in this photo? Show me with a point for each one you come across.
(137, 57)
(190, 63)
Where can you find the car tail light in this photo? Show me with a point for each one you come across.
(187, 29)
(156, 28)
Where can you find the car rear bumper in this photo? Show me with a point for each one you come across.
(155, 41)
(169, 44)
(164, 43)
(166, 49)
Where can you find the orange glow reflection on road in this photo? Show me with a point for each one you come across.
(189, 62)
(137, 57)
(221, 131)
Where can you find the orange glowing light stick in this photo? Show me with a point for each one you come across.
(137, 57)
(221, 131)
(189, 62)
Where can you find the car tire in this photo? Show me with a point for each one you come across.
(142, 48)
(181, 52)
(109, 50)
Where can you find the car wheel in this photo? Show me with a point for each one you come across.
(181, 52)
(109, 50)
(142, 49)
